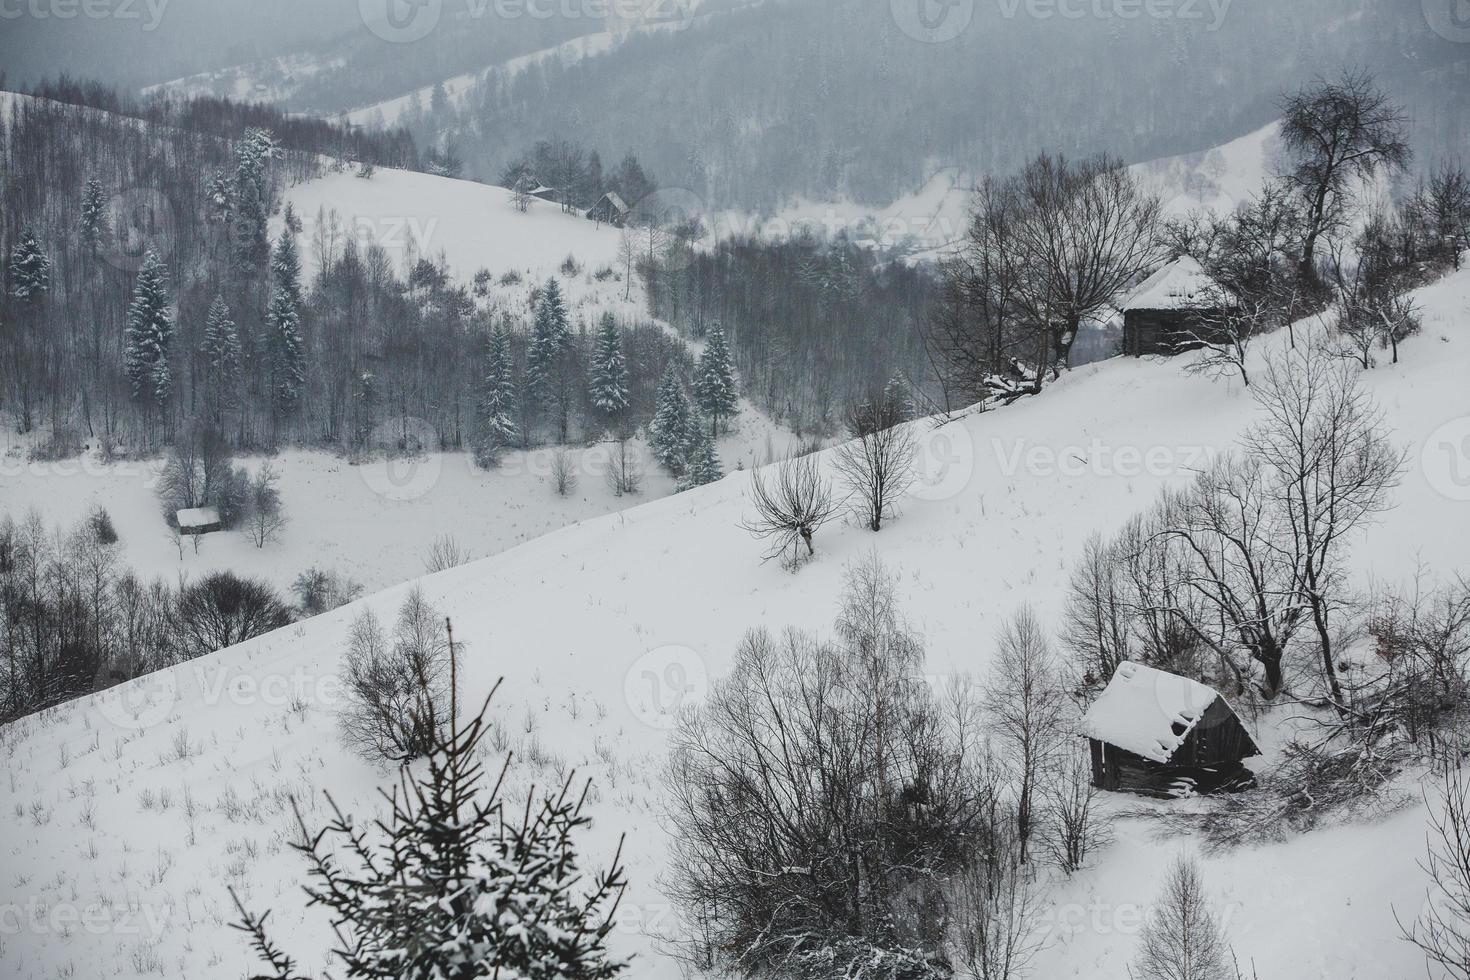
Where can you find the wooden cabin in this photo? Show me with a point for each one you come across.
(1171, 309)
(1159, 734)
(197, 520)
(609, 210)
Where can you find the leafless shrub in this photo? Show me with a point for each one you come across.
(563, 472)
(1071, 828)
(320, 590)
(624, 472)
(445, 553)
(996, 906)
(792, 501)
(397, 687)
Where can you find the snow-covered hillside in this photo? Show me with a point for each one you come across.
(928, 222)
(372, 520)
(476, 226)
(138, 807)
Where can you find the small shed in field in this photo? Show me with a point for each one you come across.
(1160, 734)
(1170, 309)
(609, 210)
(197, 520)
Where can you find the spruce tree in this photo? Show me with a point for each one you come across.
(251, 205)
(30, 269)
(454, 884)
(609, 382)
(668, 433)
(897, 401)
(223, 355)
(148, 340)
(92, 228)
(702, 462)
(495, 409)
(219, 196)
(284, 346)
(715, 389)
(547, 369)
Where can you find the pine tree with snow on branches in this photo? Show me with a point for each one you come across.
(715, 389)
(546, 368)
(495, 409)
(284, 345)
(609, 381)
(148, 340)
(222, 354)
(30, 269)
(668, 433)
(701, 461)
(463, 887)
(93, 226)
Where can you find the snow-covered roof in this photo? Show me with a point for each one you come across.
(1141, 706)
(192, 517)
(1180, 284)
(615, 200)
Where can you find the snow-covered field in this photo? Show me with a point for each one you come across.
(475, 225)
(127, 814)
(373, 521)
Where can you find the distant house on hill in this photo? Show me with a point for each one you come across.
(197, 520)
(527, 185)
(1171, 310)
(1159, 734)
(609, 210)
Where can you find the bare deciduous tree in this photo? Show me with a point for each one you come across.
(1442, 928)
(1183, 939)
(792, 501)
(1025, 702)
(878, 464)
(1340, 131)
(398, 687)
(223, 609)
(1071, 828)
(264, 517)
(820, 797)
(1045, 250)
(1228, 532)
(1331, 469)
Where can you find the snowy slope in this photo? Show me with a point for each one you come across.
(927, 222)
(389, 111)
(603, 627)
(475, 225)
(1218, 178)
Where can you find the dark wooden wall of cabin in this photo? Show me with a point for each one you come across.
(1159, 331)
